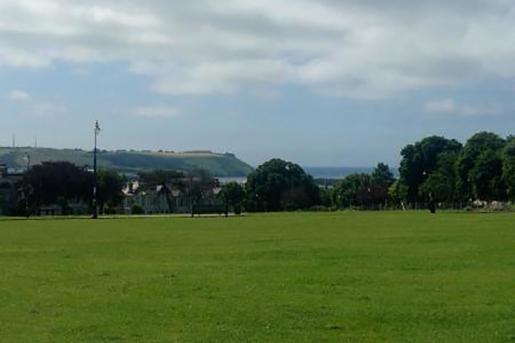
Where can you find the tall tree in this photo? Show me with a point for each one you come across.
(110, 185)
(441, 183)
(486, 177)
(509, 167)
(233, 195)
(279, 185)
(361, 190)
(419, 160)
(383, 176)
(398, 192)
(382, 180)
(199, 183)
(477, 150)
(58, 182)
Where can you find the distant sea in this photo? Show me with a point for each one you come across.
(335, 173)
(330, 173)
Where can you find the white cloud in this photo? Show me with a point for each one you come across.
(46, 110)
(157, 112)
(354, 48)
(449, 107)
(29, 107)
(18, 95)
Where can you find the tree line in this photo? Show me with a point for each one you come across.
(454, 174)
(64, 184)
(434, 169)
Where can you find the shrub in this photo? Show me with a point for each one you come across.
(137, 210)
(110, 210)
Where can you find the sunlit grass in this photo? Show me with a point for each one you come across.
(357, 277)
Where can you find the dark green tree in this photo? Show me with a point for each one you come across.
(441, 183)
(326, 197)
(509, 167)
(382, 176)
(278, 185)
(486, 177)
(110, 185)
(346, 192)
(58, 182)
(360, 190)
(382, 180)
(233, 195)
(197, 185)
(160, 177)
(419, 160)
(485, 147)
(398, 192)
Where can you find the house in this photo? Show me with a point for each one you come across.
(168, 198)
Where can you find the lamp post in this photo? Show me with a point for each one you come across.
(28, 188)
(95, 206)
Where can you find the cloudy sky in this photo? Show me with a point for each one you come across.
(319, 82)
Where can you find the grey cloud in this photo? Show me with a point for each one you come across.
(365, 48)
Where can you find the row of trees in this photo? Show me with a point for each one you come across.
(435, 169)
(370, 191)
(448, 172)
(279, 185)
(63, 183)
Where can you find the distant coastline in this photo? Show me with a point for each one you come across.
(335, 173)
(320, 173)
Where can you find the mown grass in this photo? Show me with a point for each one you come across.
(356, 277)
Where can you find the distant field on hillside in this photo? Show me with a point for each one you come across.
(224, 165)
(342, 277)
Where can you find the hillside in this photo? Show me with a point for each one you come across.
(221, 165)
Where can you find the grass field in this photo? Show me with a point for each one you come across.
(356, 277)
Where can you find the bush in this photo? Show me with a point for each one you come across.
(320, 209)
(137, 210)
(110, 211)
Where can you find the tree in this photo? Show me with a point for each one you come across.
(440, 185)
(382, 176)
(160, 177)
(360, 190)
(58, 182)
(197, 186)
(398, 192)
(233, 195)
(382, 179)
(486, 177)
(278, 185)
(326, 197)
(478, 148)
(508, 157)
(345, 193)
(110, 185)
(419, 160)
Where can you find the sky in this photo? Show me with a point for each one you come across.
(318, 82)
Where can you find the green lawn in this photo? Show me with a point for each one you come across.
(356, 277)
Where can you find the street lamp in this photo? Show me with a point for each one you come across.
(28, 190)
(95, 207)
(27, 159)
